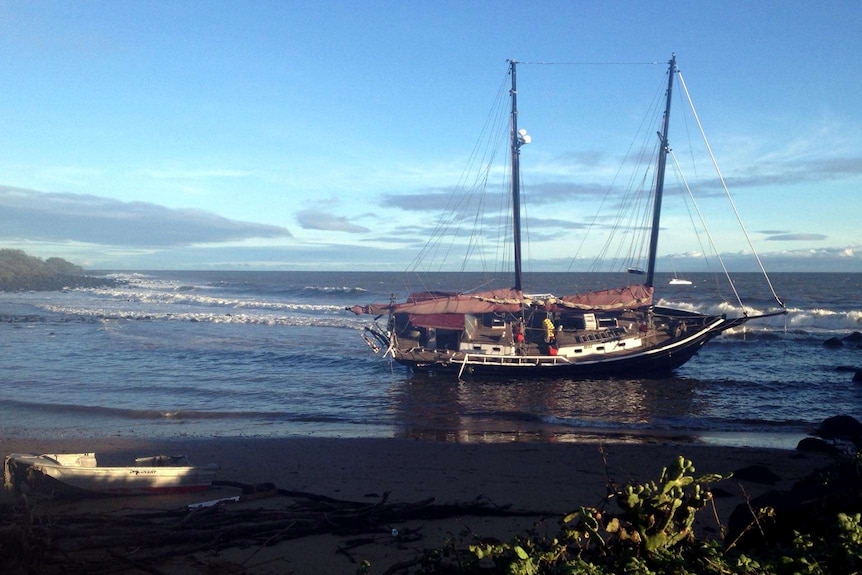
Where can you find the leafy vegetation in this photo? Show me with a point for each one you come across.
(18, 271)
(652, 534)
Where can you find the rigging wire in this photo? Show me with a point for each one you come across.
(628, 219)
(688, 206)
(727, 192)
(525, 224)
(706, 230)
(451, 219)
(468, 196)
(719, 286)
(653, 63)
(504, 213)
(468, 193)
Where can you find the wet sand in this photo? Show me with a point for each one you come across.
(546, 480)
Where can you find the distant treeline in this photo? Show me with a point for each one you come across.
(18, 271)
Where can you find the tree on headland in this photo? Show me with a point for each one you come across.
(18, 271)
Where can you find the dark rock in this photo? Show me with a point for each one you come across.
(757, 474)
(810, 506)
(833, 342)
(839, 427)
(741, 519)
(850, 368)
(857, 377)
(855, 337)
(817, 445)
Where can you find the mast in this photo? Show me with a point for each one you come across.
(519, 138)
(659, 178)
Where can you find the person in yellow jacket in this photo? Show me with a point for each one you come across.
(549, 330)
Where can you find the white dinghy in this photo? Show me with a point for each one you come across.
(153, 475)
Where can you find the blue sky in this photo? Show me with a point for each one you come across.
(306, 135)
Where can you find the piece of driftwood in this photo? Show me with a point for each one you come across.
(99, 543)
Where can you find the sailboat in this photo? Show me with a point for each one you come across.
(678, 281)
(618, 331)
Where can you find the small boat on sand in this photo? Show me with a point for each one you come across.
(80, 472)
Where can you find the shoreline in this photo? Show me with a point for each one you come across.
(309, 459)
(546, 479)
(206, 430)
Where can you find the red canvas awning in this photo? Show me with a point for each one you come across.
(433, 303)
(511, 301)
(629, 297)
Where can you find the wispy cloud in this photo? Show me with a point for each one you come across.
(336, 256)
(91, 219)
(796, 171)
(432, 200)
(440, 200)
(319, 220)
(556, 223)
(797, 238)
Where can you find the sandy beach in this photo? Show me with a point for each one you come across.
(543, 480)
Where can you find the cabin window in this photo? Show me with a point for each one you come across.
(493, 321)
(588, 322)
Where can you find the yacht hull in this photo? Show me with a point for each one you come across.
(652, 360)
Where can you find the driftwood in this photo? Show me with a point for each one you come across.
(137, 540)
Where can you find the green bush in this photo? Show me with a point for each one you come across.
(652, 534)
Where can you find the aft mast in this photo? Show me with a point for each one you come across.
(659, 179)
(519, 138)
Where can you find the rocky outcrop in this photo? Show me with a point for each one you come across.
(20, 272)
(812, 503)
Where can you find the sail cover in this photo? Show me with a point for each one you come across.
(629, 297)
(434, 303)
(509, 300)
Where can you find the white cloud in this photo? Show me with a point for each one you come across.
(52, 217)
(319, 220)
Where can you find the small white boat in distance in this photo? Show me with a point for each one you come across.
(679, 282)
(160, 474)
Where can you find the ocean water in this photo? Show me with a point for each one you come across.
(212, 354)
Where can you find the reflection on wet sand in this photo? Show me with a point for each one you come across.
(620, 410)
